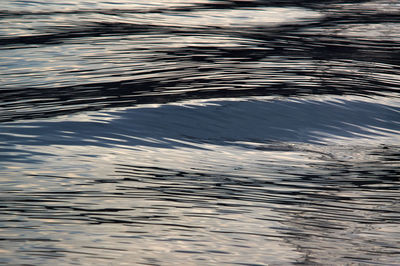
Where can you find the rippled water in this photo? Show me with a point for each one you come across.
(199, 132)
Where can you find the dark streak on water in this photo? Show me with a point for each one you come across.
(202, 132)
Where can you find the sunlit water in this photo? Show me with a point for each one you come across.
(199, 132)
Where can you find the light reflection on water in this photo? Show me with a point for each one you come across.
(199, 132)
(257, 212)
(78, 193)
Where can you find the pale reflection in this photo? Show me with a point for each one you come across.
(43, 6)
(271, 16)
(365, 31)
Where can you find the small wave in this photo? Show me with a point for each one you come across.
(328, 120)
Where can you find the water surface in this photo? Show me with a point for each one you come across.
(203, 132)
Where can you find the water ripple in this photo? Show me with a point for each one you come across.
(96, 60)
(209, 132)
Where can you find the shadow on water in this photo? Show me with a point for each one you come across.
(222, 122)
